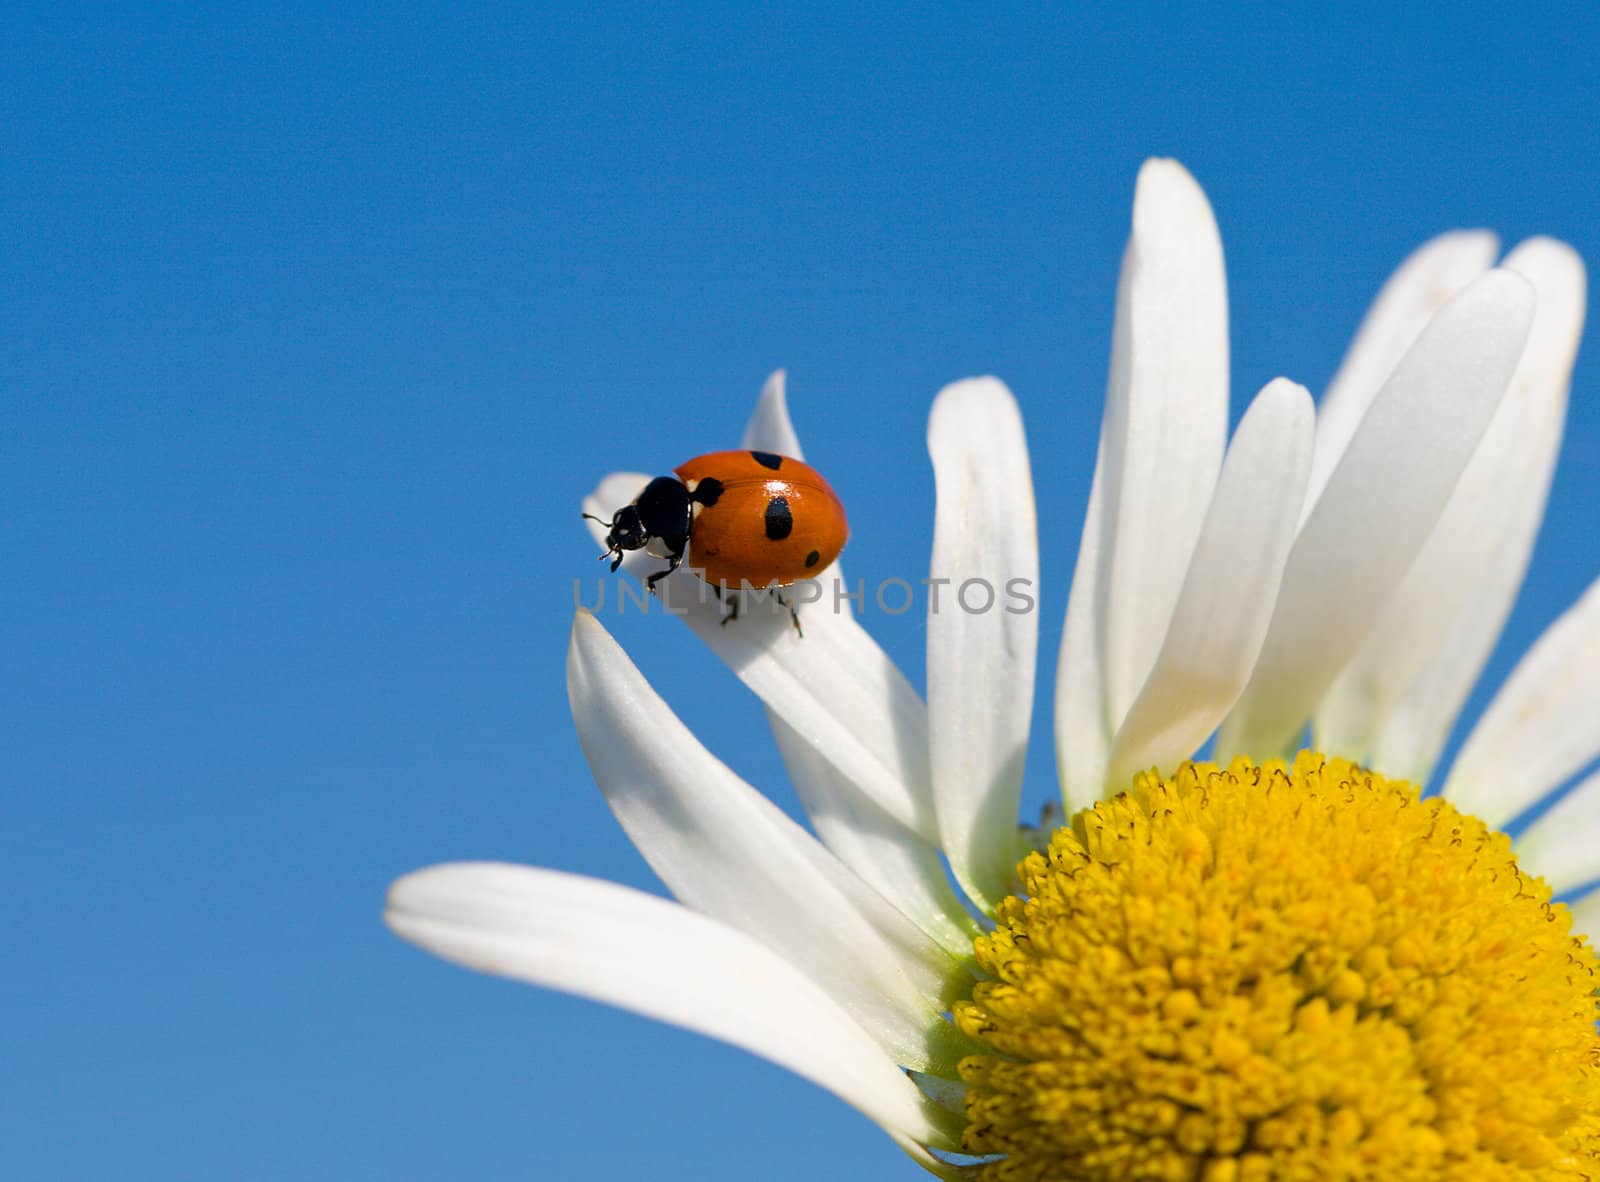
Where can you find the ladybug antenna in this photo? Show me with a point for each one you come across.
(592, 517)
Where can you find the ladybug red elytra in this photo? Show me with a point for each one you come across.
(743, 518)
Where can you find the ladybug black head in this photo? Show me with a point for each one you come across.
(660, 513)
(627, 533)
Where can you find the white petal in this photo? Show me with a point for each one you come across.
(835, 686)
(629, 949)
(1393, 705)
(725, 850)
(1161, 444)
(1563, 845)
(983, 640)
(1222, 613)
(1586, 918)
(1542, 727)
(1423, 284)
(769, 428)
(1166, 418)
(1083, 729)
(1380, 505)
(902, 867)
(1416, 730)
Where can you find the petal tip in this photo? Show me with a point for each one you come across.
(1505, 286)
(974, 391)
(769, 427)
(1479, 239)
(973, 405)
(1166, 186)
(1549, 263)
(407, 894)
(1288, 397)
(1166, 170)
(774, 391)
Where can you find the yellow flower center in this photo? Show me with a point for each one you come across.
(1274, 973)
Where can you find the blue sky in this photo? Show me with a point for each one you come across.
(315, 326)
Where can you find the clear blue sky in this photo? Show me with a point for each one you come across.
(316, 322)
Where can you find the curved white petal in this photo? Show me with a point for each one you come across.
(1542, 727)
(902, 867)
(899, 865)
(1380, 505)
(1166, 417)
(983, 637)
(1082, 727)
(1563, 845)
(769, 428)
(629, 949)
(1161, 445)
(1427, 280)
(725, 850)
(834, 686)
(1396, 700)
(1222, 612)
(1586, 918)
(1490, 527)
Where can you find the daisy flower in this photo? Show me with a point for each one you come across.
(1286, 961)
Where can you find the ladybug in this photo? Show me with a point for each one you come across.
(750, 518)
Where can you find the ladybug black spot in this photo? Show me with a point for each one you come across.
(780, 522)
(767, 459)
(813, 558)
(708, 492)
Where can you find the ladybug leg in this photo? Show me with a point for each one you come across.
(675, 547)
(672, 565)
(794, 615)
(733, 601)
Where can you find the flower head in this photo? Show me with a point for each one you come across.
(1287, 963)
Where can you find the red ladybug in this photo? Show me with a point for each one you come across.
(742, 518)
